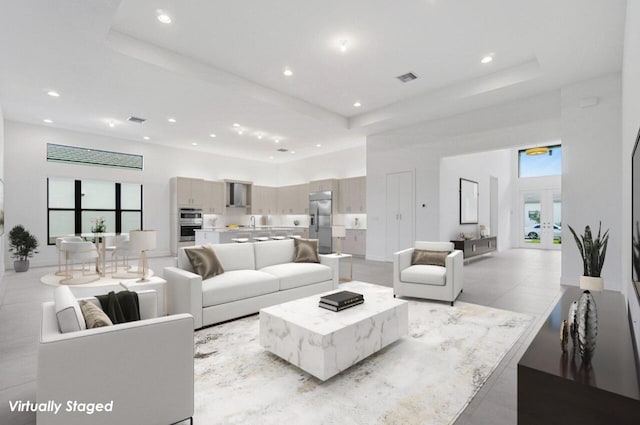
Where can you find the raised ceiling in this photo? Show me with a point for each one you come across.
(221, 62)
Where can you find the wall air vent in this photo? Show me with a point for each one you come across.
(84, 156)
(282, 150)
(409, 76)
(137, 120)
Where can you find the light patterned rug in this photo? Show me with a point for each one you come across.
(427, 377)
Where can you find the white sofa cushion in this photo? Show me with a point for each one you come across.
(68, 312)
(232, 256)
(237, 285)
(428, 275)
(434, 246)
(294, 275)
(273, 252)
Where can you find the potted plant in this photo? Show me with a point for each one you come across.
(23, 245)
(593, 252)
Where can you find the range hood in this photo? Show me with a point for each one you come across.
(237, 195)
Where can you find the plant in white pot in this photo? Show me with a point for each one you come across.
(593, 252)
(23, 245)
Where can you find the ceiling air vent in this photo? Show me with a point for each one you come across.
(409, 76)
(137, 120)
(282, 150)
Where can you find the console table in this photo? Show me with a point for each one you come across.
(556, 388)
(473, 247)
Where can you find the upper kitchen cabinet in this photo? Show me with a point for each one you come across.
(323, 186)
(264, 200)
(352, 195)
(190, 192)
(293, 199)
(213, 197)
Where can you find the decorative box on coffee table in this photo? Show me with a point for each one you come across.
(323, 342)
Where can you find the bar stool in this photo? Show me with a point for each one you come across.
(278, 237)
(261, 237)
(62, 253)
(82, 252)
(295, 237)
(239, 239)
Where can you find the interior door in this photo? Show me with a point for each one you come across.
(400, 233)
(541, 219)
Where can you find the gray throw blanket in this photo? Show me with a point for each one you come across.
(121, 307)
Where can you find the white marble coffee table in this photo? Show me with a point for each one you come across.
(324, 343)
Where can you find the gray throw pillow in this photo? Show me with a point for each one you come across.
(204, 261)
(94, 317)
(429, 258)
(306, 251)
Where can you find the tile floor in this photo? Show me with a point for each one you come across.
(525, 281)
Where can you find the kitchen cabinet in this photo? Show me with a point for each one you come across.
(293, 199)
(190, 192)
(213, 197)
(324, 185)
(355, 242)
(352, 194)
(264, 200)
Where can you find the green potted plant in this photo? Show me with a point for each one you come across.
(593, 252)
(23, 245)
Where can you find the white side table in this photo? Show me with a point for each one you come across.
(341, 257)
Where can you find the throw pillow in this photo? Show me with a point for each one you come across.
(94, 316)
(306, 251)
(429, 258)
(204, 261)
(68, 310)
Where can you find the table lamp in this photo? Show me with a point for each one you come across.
(143, 241)
(339, 232)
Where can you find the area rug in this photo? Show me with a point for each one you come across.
(427, 377)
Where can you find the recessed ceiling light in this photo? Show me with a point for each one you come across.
(293, 152)
(276, 141)
(235, 124)
(287, 72)
(164, 18)
(487, 59)
(171, 120)
(240, 132)
(212, 135)
(259, 136)
(343, 45)
(48, 121)
(318, 145)
(271, 157)
(357, 104)
(53, 93)
(112, 124)
(194, 143)
(147, 138)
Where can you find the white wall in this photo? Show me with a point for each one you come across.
(3, 238)
(478, 167)
(630, 125)
(27, 171)
(591, 172)
(335, 165)
(533, 121)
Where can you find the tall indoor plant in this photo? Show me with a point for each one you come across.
(23, 245)
(593, 252)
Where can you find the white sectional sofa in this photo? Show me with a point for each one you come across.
(256, 275)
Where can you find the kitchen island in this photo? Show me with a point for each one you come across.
(226, 234)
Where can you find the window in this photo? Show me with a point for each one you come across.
(539, 162)
(73, 206)
(84, 156)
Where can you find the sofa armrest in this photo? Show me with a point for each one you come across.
(184, 293)
(134, 362)
(334, 263)
(455, 270)
(401, 261)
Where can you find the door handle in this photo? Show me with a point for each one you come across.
(318, 220)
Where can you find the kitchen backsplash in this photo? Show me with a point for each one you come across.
(238, 216)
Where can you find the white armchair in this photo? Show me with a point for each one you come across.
(427, 281)
(144, 367)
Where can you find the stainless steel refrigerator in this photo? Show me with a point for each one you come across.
(320, 220)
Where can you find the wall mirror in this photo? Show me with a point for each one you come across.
(468, 202)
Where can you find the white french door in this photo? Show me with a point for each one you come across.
(541, 219)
